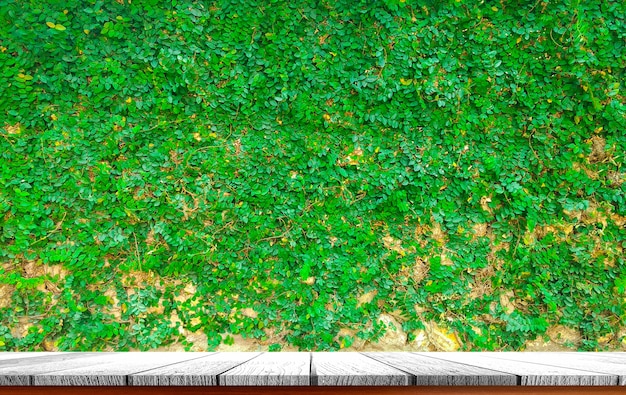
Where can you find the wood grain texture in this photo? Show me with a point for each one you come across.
(593, 362)
(430, 371)
(356, 390)
(20, 355)
(349, 368)
(530, 374)
(197, 372)
(28, 359)
(19, 371)
(271, 368)
(608, 357)
(112, 370)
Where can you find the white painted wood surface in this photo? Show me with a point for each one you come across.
(530, 373)
(574, 360)
(317, 369)
(22, 355)
(431, 371)
(271, 368)
(19, 371)
(197, 372)
(347, 368)
(112, 370)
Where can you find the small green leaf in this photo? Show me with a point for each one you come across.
(305, 272)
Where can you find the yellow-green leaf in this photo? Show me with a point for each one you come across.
(51, 24)
(59, 27)
(406, 82)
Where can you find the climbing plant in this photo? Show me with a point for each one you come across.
(255, 168)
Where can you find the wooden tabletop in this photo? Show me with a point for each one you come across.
(313, 369)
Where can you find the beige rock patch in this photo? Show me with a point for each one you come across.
(441, 338)
(366, 298)
(309, 281)
(358, 344)
(32, 269)
(248, 312)
(20, 329)
(420, 269)
(484, 204)
(615, 178)
(505, 302)
(438, 234)
(560, 334)
(392, 244)
(394, 338)
(420, 342)
(13, 129)
(186, 293)
(482, 282)
(445, 259)
(240, 344)
(539, 345)
(6, 291)
(479, 230)
(199, 340)
(598, 154)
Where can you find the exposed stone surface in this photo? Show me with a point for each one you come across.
(560, 334)
(421, 342)
(561, 338)
(366, 297)
(441, 338)
(394, 338)
(6, 291)
(505, 301)
(621, 338)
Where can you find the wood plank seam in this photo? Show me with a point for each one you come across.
(592, 370)
(567, 376)
(169, 364)
(218, 377)
(412, 377)
(312, 372)
(412, 369)
(518, 378)
(621, 373)
(129, 379)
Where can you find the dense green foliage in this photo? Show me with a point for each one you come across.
(291, 156)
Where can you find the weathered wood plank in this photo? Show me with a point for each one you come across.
(431, 371)
(19, 355)
(354, 390)
(26, 359)
(349, 368)
(530, 373)
(112, 370)
(592, 362)
(197, 372)
(271, 368)
(18, 371)
(608, 357)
